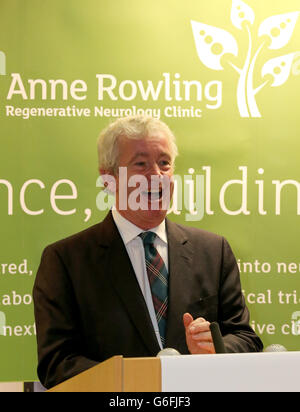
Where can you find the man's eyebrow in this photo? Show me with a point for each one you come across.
(139, 154)
(145, 154)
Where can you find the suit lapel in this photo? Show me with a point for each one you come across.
(125, 283)
(180, 279)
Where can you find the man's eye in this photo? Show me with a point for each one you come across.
(140, 164)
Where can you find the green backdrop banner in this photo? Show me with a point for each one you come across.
(224, 75)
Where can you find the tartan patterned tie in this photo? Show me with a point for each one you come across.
(158, 279)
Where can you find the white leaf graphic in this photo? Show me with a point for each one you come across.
(279, 68)
(212, 43)
(279, 28)
(241, 12)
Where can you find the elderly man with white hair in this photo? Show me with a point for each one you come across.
(136, 282)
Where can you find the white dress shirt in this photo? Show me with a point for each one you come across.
(135, 249)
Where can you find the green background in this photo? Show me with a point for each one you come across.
(140, 40)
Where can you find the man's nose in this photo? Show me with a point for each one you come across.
(155, 170)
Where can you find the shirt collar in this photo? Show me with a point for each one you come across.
(129, 231)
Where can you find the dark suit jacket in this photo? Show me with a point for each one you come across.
(89, 306)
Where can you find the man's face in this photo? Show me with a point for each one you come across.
(148, 161)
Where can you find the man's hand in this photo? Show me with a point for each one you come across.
(198, 335)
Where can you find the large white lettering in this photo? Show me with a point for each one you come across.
(42, 89)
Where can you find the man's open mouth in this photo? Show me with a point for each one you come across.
(153, 195)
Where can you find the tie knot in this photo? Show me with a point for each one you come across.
(148, 238)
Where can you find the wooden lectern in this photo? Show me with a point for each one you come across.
(117, 374)
(238, 372)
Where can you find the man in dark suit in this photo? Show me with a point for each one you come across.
(136, 282)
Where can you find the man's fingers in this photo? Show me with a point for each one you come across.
(187, 320)
(206, 347)
(198, 335)
(202, 337)
(200, 326)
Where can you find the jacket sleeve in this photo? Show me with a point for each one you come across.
(233, 312)
(60, 352)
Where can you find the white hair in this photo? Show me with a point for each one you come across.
(133, 127)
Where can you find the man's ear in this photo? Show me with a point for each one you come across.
(103, 171)
(106, 172)
(109, 180)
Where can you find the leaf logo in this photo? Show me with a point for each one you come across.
(276, 31)
(280, 68)
(212, 43)
(279, 28)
